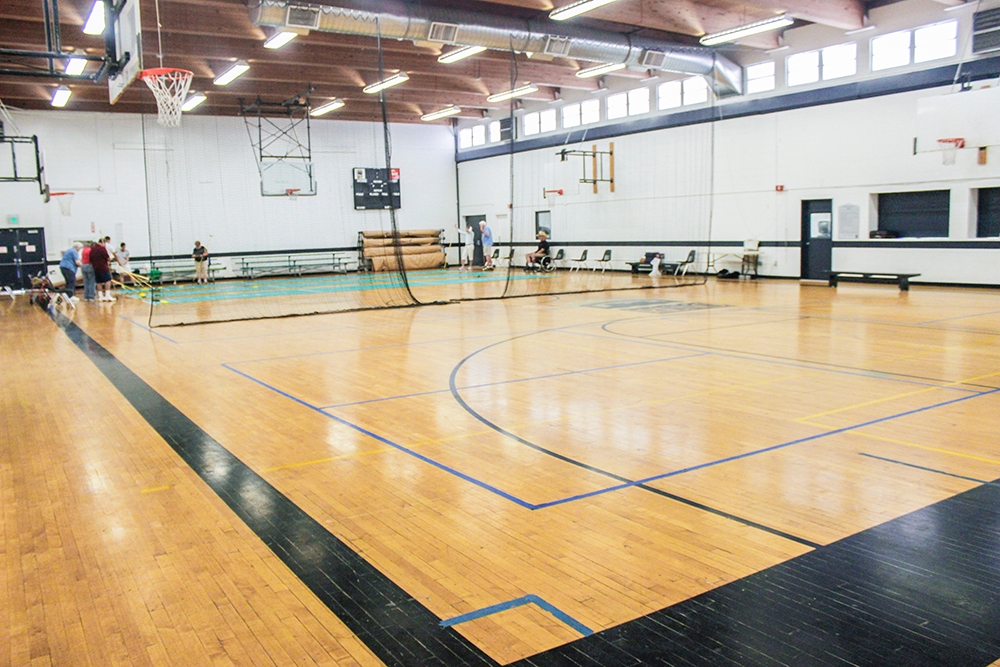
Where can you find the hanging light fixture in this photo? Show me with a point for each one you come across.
(393, 80)
(327, 108)
(95, 21)
(61, 96)
(443, 113)
(510, 94)
(577, 8)
(193, 101)
(598, 70)
(731, 35)
(239, 68)
(460, 54)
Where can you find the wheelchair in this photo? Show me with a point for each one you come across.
(544, 265)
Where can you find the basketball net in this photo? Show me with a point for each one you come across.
(64, 199)
(949, 149)
(170, 88)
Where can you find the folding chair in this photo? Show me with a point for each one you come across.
(604, 262)
(560, 259)
(582, 261)
(682, 267)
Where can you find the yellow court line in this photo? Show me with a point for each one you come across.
(893, 398)
(930, 449)
(327, 460)
(155, 489)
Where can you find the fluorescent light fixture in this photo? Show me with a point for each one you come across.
(95, 22)
(279, 39)
(75, 66)
(393, 80)
(238, 69)
(327, 108)
(860, 30)
(742, 31)
(460, 54)
(443, 113)
(577, 8)
(193, 101)
(598, 70)
(61, 97)
(780, 48)
(510, 94)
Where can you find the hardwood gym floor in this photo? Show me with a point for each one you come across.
(752, 473)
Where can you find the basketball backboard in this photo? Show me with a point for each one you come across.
(969, 115)
(125, 29)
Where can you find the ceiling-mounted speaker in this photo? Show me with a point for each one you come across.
(302, 17)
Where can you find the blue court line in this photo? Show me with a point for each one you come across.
(142, 326)
(527, 379)
(626, 483)
(939, 472)
(520, 602)
(386, 441)
(875, 375)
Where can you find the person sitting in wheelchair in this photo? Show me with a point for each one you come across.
(540, 258)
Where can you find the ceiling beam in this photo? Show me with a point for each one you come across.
(843, 14)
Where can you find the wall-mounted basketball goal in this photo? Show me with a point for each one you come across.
(282, 143)
(601, 164)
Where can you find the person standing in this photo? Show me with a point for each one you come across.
(71, 260)
(200, 255)
(121, 258)
(487, 236)
(467, 239)
(101, 261)
(89, 283)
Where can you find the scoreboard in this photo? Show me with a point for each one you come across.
(376, 189)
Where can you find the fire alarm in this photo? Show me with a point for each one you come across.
(779, 188)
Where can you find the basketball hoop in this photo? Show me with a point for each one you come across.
(949, 149)
(64, 199)
(292, 193)
(170, 88)
(549, 194)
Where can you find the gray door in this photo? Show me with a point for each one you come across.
(817, 238)
(473, 221)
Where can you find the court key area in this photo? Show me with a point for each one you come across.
(751, 473)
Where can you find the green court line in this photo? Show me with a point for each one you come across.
(201, 294)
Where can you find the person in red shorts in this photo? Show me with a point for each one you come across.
(101, 261)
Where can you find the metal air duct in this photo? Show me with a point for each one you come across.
(418, 23)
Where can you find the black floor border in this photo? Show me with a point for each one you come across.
(917, 591)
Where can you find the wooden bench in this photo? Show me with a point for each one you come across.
(901, 279)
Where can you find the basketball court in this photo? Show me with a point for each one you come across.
(740, 410)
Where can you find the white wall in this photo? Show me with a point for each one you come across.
(203, 183)
(847, 152)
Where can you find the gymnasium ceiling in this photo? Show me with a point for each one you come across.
(206, 36)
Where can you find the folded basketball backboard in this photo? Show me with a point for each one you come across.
(969, 115)
(127, 31)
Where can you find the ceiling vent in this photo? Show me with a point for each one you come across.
(443, 32)
(302, 17)
(986, 31)
(557, 46)
(653, 59)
